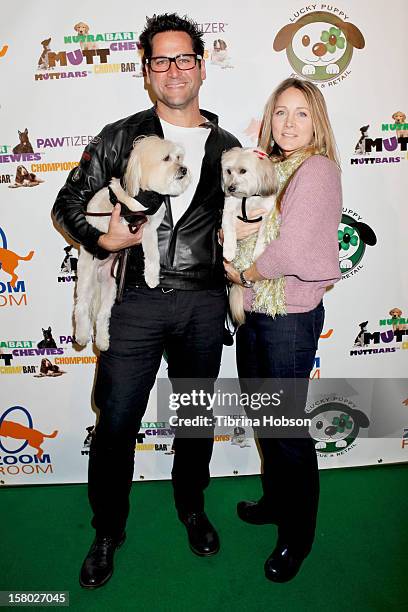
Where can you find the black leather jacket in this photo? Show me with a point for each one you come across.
(190, 257)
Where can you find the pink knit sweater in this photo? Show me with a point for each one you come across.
(307, 251)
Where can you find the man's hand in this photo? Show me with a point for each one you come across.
(244, 230)
(118, 236)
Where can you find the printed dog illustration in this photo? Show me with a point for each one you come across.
(43, 62)
(9, 262)
(69, 263)
(24, 178)
(24, 146)
(360, 148)
(335, 426)
(400, 118)
(360, 341)
(35, 438)
(83, 30)
(47, 341)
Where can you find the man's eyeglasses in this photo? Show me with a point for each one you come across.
(184, 61)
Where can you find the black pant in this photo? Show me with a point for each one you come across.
(188, 325)
(285, 348)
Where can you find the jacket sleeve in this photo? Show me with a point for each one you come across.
(93, 173)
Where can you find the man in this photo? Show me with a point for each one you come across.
(183, 316)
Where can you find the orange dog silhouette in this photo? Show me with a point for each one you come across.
(9, 262)
(35, 438)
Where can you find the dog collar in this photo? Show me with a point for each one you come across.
(244, 217)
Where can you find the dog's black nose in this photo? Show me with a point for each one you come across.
(183, 170)
(232, 188)
(330, 430)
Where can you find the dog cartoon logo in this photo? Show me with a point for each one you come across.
(360, 338)
(24, 178)
(47, 341)
(69, 263)
(335, 425)
(24, 146)
(360, 148)
(238, 437)
(319, 46)
(219, 54)
(353, 238)
(17, 431)
(9, 262)
(43, 61)
(400, 119)
(397, 320)
(47, 368)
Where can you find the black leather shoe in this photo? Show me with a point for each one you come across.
(98, 565)
(283, 564)
(255, 513)
(202, 537)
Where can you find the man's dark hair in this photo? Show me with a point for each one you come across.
(171, 22)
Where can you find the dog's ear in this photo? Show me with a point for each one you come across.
(132, 176)
(285, 35)
(268, 183)
(354, 35)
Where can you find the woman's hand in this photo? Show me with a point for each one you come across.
(118, 236)
(244, 230)
(231, 273)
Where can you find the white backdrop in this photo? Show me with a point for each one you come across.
(82, 85)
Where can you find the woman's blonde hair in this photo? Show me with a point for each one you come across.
(323, 142)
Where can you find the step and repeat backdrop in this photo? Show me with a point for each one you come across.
(68, 69)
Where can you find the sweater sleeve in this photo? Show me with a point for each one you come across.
(307, 246)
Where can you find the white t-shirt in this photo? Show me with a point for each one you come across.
(193, 140)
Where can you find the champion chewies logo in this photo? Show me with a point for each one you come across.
(335, 425)
(353, 236)
(319, 45)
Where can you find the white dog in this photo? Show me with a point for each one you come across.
(154, 165)
(249, 182)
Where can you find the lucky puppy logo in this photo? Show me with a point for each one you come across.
(319, 46)
(335, 425)
(353, 237)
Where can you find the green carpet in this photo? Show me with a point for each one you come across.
(359, 561)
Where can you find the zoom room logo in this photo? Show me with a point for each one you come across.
(319, 45)
(12, 287)
(21, 444)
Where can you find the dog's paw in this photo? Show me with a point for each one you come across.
(308, 69)
(82, 339)
(229, 252)
(346, 264)
(341, 444)
(320, 445)
(102, 342)
(332, 69)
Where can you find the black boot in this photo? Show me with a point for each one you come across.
(202, 536)
(255, 513)
(97, 567)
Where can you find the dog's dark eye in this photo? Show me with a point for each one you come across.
(242, 171)
(228, 171)
(167, 158)
(319, 424)
(305, 40)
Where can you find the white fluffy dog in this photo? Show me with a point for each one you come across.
(249, 182)
(154, 165)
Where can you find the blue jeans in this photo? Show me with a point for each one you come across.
(285, 347)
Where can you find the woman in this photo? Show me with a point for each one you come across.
(284, 310)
